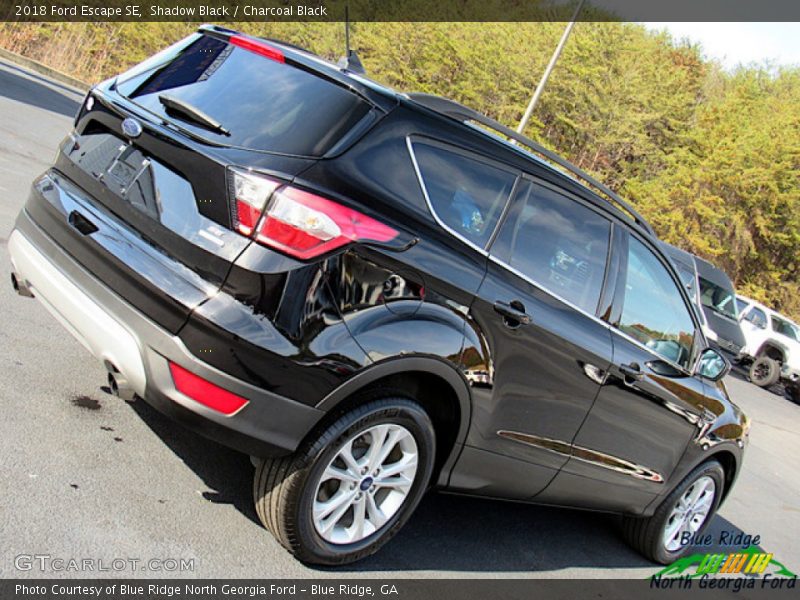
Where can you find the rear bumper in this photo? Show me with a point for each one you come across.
(790, 374)
(120, 335)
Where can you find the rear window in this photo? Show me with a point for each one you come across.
(264, 104)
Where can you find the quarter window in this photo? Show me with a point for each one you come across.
(556, 241)
(467, 195)
(653, 311)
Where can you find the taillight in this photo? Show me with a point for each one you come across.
(258, 47)
(205, 392)
(88, 104)
(250, 194)
(299, 223)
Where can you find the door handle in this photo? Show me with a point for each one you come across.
(631, 372)
(81, 223)
(513, 313)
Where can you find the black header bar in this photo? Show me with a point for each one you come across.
(219, 11)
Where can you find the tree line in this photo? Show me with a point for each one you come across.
(710, 157)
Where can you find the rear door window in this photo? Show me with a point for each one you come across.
(557, 242)
(264, 104)
(466, 194)
(757, 317)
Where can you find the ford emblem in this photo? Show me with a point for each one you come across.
(132, 128)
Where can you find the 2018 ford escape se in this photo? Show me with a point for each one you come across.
(372, 296)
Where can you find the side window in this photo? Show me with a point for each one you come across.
(757, 317)
(557, 242)
(740, 305)
(687, 276)
(467, 195)
(653, 311)
(718, 299)
(784, 327)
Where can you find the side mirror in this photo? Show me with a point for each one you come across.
(712, 365)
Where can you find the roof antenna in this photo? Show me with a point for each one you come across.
(350, 61)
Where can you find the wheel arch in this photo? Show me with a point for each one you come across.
(730, 466)
(772, 350)
(434, 383)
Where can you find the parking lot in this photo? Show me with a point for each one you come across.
(86, 475)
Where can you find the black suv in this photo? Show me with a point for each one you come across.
(371, 294)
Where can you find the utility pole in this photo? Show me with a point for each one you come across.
(540, 88)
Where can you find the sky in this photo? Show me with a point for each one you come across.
(741, 43)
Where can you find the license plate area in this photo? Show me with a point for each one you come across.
(121, 167)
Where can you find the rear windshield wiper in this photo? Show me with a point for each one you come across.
(192, 113)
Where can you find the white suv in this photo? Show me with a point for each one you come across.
(772, 345)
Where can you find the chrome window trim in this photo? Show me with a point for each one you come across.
(595, 318)
(544, 289)
(655, 354)
(482, 250)
(530, 280)
(527, 177)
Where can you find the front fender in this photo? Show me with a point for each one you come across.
(722, 436)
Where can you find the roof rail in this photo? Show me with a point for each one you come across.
(463, 113)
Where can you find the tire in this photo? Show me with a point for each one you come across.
(764, 371)
(287, 490)
(646, 535)
(794, 391)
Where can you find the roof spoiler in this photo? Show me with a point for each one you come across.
(465, 114)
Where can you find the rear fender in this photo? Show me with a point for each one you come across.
(419, 364)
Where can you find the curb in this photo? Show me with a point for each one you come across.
(34, 65)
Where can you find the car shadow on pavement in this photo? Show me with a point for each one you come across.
(227, 474)
(720, 527)
(26, 87)
(447, 532)
(462, 534)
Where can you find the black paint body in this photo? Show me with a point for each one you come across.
(315, 333)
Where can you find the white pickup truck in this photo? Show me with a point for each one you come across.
(772, 348)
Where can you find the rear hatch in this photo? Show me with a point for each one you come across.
(141, 193)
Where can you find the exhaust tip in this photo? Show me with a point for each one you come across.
(20, 286)
(119, 385)
(112, 384)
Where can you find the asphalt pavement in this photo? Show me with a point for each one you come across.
(85, 475)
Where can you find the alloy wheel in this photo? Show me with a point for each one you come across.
(690, 512)
(365, 484)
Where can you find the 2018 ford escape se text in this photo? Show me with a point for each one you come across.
(373, 296)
